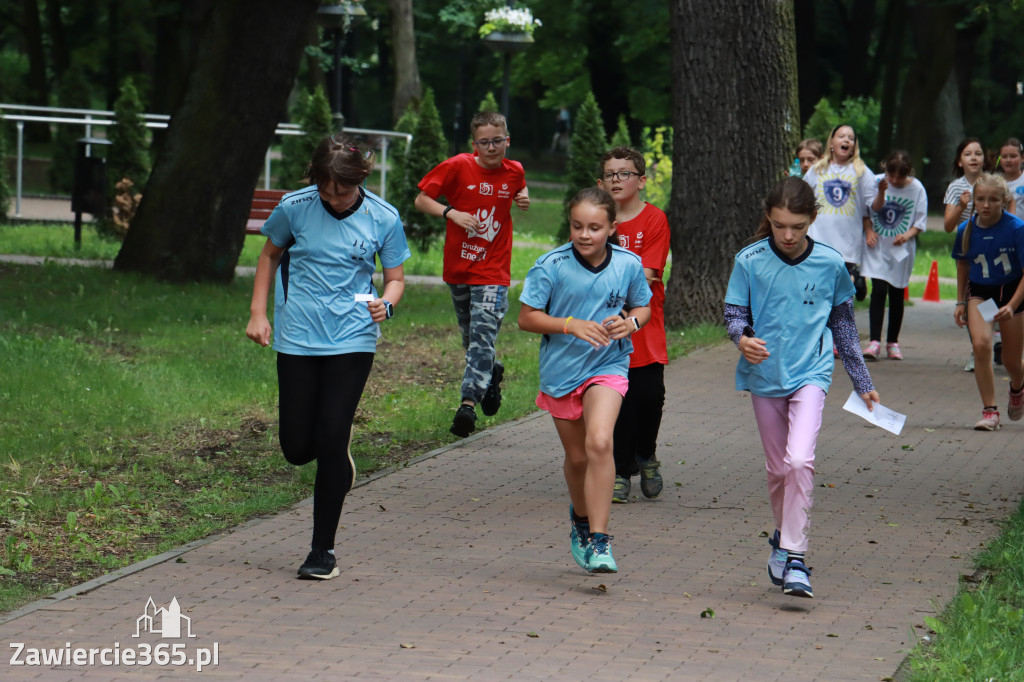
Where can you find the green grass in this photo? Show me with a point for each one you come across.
(135, 416)
(980, 634)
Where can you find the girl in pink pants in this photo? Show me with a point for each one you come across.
(797, 294)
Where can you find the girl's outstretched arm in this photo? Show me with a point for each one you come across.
(844, 333)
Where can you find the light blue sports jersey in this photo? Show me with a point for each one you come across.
(562, 283)
(994, 253)
(790, 302)
(329, 260)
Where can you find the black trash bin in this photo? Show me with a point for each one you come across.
(89, 190)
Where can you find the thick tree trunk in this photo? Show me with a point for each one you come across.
(935, 39)
(809, 78)
(407, 71)
(190, 224)
(736, 123)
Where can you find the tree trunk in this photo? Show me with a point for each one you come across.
(31, 30)
(407, 71)
(809, 78)
(935, 39)
(734, 93)
(190, 224)
(891, 49)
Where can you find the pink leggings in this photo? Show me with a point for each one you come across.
(789, 431)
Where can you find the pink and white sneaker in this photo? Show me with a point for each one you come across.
(893, 352)
(872, 350)
(989, 421)
(1015, 410)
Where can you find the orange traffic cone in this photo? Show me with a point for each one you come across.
(931, 289)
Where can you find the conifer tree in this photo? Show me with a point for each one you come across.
(312, 112)
(621, 136)
(426, 151)
(128, 154)
(587, 145)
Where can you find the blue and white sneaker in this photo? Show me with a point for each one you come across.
(599, 554)
(579, 538)
(797, 579)
(776, 560)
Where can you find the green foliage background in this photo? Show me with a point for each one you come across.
(312, 112)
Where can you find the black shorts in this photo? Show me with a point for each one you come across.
(1000, 293)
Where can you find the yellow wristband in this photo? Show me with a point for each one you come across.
(565, 327)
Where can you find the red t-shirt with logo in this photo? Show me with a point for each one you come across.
(647, 236)
(487, 257)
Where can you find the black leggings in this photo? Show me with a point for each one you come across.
(880, 289)
(636, 430)
(318, 398)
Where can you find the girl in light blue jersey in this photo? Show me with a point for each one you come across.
(322, 246)
(789, 300)
(586, 297)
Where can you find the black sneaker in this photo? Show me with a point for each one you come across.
(464, 422)
(320, 565)
(492, 399)
(650, 478)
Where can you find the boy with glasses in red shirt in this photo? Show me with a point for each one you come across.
(480, 189)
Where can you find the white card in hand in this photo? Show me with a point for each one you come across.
(364, 298)
(879, 416)
(988, 309)
(900, 252)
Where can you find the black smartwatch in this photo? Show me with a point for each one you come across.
(444, 213)
(389, 310)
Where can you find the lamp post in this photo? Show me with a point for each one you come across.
(338, 18)
(505, 44)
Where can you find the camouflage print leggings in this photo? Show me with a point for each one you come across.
(479, 309)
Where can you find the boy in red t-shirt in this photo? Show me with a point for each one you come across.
(643, 229)
(480, 189)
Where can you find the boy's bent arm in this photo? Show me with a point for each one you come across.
(522, 199)
(467, 221)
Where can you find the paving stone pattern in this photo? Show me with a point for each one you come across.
(463, 556)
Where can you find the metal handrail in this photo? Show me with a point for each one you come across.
(161, 121)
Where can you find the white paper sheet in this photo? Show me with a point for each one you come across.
(364, 298)
(988, 309)
(880, 416)
(900, 252)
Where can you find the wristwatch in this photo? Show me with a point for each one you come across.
(444, 213)
(389, 310)
(636, 324)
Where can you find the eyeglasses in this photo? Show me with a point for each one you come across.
(487, 144)
(620, 175)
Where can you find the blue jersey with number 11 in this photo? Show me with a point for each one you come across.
(994, 253)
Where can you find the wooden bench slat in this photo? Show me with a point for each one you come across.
(264, 201)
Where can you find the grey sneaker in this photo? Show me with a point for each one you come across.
(776, 560)
(797, 579)
(620, 493)
(650, 478)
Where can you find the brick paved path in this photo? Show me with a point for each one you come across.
(464, 554)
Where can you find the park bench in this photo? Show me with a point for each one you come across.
(264, 201)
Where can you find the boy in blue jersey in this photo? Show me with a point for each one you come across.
(322, 245)
(575, 296)
(789, 300)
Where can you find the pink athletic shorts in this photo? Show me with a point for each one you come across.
(570, 405)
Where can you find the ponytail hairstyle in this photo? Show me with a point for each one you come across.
(985, 180)
(339, 159)
(899, 163)
(792, 194)
(825, 161)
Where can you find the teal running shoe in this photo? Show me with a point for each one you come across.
(599, 554)
(579, 538)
